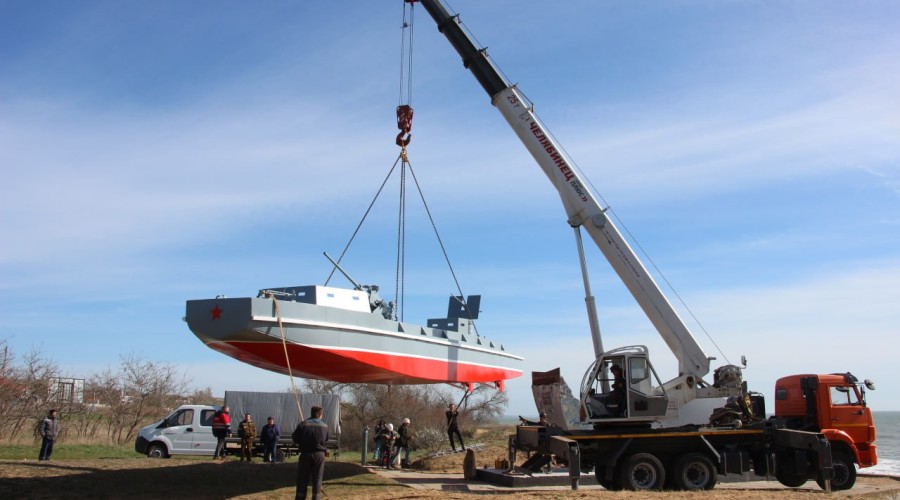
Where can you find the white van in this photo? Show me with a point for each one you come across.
(187, 431)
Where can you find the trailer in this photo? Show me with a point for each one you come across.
(188, 430)
(282, 406)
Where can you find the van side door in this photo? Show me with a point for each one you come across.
(179, 430)
(204, 441)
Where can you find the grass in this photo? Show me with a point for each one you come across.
(69, 452)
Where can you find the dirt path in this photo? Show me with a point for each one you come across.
(192, 478)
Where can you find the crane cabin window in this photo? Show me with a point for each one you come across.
(639, 379)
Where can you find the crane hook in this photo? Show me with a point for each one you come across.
(404, 123)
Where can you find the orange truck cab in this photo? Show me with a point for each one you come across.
(834, 405)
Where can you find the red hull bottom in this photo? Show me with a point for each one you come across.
(360, 367)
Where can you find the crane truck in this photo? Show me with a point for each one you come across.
(637, 432)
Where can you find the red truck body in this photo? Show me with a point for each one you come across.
(834, 405)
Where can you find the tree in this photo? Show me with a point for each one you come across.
(363, 405)
(140, 391)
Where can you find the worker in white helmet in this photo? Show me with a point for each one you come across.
(404, 435)
(388, 441)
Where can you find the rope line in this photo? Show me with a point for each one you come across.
(358, 226)
(443, 250)
(287, 358)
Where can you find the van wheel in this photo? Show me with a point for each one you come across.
(279, 456)
(641, 472)
(157, 451)
(844, 472)
(693, 472)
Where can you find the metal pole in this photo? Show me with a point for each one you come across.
(365, 444)
(589, 297)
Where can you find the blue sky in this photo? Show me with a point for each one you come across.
(154, 152)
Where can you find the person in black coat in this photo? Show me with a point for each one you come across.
(311, 435)
(453, 428)
(269, 437)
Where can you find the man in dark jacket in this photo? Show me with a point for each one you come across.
(247, 433)
(311, 435)
(453, 428)
(404, 436)
(269, 437)
(49, 431)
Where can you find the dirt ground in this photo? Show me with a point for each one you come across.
(192, 478)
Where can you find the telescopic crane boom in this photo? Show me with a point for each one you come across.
(584, 211)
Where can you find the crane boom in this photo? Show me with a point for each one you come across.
(630, 397)
(582, 209)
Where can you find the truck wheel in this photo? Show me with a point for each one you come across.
(157, 451)
(844, 472)
(788, 475)
(279, 456)
(641, 471)
(693, 471)
(600, 474)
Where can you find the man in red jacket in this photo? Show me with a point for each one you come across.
(221, 425)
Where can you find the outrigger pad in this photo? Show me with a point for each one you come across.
(536, 462)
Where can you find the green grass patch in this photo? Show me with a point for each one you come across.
(68, 451)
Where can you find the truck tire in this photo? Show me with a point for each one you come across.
(608, 484)
(279, 456)
(157, 451)
(641, 472)
(788, 475)
(844, 472)
(693, 472)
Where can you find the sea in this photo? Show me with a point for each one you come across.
(887, 438)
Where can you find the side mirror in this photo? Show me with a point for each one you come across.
(869, 384)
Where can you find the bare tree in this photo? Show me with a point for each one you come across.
(138, 393)
(200, 397)
(11, 390)
(34, 376)
(365, 404)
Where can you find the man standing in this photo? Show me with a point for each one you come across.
(221, 428)
(388, 438)
(269, 437)
(49, 431)
(247, 433)
(404, 435)
(453, 428)
(311, 435)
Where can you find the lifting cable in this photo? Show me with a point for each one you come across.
(358, 226)
(443, 250)
(404, 107)
(404, 124)
(647, 256)
(400, 276)
(287, 358)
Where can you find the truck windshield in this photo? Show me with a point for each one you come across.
(845, 396)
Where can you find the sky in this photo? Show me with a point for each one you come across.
(156, 152)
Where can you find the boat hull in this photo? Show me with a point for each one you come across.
(330, 343)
